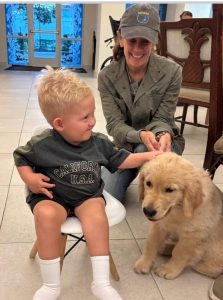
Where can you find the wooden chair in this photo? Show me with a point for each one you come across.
(188, 42)
(196, 44)
(216, 94)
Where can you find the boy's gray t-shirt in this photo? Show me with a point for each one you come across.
(75, 169)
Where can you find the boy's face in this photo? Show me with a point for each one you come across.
(78, 123)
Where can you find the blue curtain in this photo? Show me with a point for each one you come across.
(162, 11)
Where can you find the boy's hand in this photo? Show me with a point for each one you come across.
(38, 184)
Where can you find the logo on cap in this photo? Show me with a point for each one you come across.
(143, 17)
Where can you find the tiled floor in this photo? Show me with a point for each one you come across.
(20, 276)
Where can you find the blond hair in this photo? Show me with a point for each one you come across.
(58, 90)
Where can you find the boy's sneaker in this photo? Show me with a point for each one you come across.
(216, 291)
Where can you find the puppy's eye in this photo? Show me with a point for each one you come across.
(168, 190)
(149, 184)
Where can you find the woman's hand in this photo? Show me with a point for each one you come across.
(38, 184)
(165, 142)
(149, 140)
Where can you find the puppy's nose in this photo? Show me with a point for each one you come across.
(149, 212)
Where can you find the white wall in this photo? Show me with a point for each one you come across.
(89, 26)
(104, 30)
(174, 11)
(200, 10)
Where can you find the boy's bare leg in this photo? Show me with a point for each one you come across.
(96, 231)
(94, 224)
(49, 217)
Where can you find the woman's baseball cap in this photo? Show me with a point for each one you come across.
(140, 21)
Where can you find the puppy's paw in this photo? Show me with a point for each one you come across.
(167, 272)
(142, 265)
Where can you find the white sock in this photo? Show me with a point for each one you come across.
(50, 271)
(101, 286)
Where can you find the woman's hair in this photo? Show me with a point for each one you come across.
(58, 90)
(118, 51)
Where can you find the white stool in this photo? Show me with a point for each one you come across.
(115, 212)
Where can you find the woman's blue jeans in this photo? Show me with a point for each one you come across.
(117, 183)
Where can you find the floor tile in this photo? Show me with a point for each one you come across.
(7, 161)
(18, 221)
(188, 285)
(138, 223)
(9, 141)
(3, 198)
(11, 125)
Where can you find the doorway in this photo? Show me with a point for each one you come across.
(44, 38)
(44, 34)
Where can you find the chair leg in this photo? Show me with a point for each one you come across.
(62, 249)
(33, 251)
(207, 117)
(113, 269)
(185, 107)
(195, 114)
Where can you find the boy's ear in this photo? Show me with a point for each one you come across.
(58, 124)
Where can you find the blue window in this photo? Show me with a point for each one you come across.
(71, 35)
(16, 33)
(44, 20)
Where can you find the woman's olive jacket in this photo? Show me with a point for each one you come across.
(153, 106)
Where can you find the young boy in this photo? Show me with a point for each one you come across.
(62, 169)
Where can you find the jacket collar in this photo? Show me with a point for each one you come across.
(121, 82)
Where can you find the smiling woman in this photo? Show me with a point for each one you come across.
(139, 92)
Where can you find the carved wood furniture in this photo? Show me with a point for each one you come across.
(196, 44)
(214, 155)
(189, 45)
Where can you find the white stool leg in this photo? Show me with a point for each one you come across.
(62, 249)
(33, 251)
(113, 269)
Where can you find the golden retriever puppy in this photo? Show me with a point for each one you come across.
(186, 210)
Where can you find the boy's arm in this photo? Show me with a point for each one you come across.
(36, 182)
(135, 160)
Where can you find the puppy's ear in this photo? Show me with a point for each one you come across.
(193, 196)
(141, 186)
